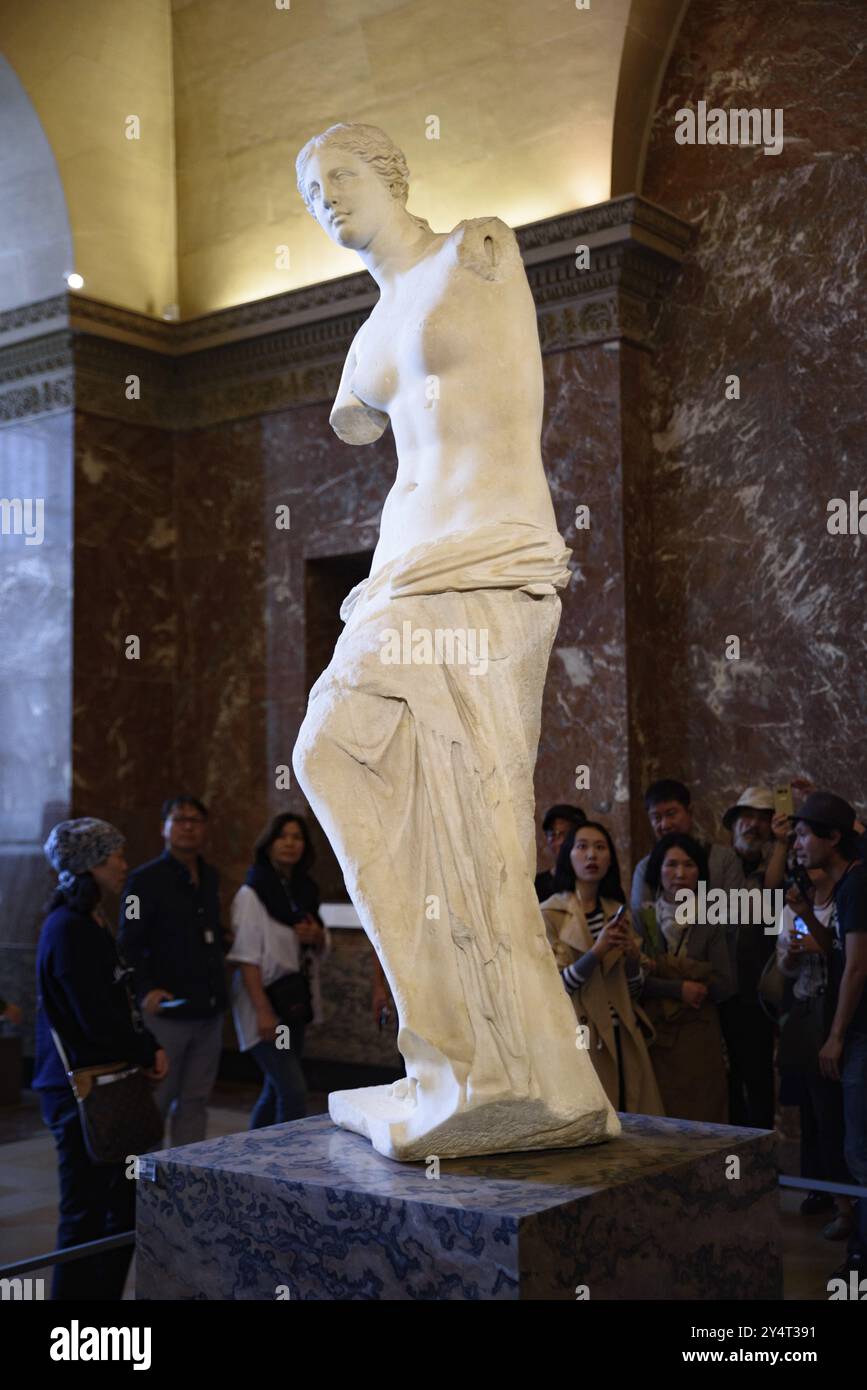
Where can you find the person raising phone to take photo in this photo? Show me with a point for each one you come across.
(598, 956)
(826, 838)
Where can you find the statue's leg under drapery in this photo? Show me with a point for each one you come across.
(421, 776)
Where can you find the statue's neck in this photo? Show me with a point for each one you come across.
(390, 256)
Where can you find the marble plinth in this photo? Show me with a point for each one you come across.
(309, 1211)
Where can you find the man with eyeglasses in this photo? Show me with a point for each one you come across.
(558, 821)
(170, 933)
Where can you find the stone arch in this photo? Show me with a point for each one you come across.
(35, 235)
(651, 31)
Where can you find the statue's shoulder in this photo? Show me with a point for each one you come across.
(486, 246)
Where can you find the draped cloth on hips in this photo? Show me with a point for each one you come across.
(435, 830)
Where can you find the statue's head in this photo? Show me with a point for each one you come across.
(353, 178)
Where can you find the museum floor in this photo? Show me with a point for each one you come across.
(28, 1188)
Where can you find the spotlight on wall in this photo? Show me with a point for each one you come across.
(75, 282)
(171, 312)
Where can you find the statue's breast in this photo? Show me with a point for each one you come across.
(443, 316)
(393, 357)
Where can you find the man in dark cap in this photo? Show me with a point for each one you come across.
(557, 823)
(825, 838)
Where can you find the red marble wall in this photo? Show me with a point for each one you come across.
(124, 585)
(585, 709)
(220, 713)
(770, 292)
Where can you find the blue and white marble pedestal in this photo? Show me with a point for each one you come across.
(309, 1211)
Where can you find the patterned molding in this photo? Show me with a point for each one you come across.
(125, 325)
(32, 356)
(46, 397)
(288, 350)
(33, 316)
(103, 385)
(311, 304)
(37, 375)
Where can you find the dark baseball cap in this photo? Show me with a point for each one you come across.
(562, 811)
(824, 808)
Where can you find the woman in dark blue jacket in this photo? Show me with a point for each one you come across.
(83, 997)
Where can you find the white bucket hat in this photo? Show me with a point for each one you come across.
(753, 799)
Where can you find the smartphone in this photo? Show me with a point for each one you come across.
(784, 804)
(617, 916)
(172, 1003)
(801, 928)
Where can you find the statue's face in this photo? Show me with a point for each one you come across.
(348, 198)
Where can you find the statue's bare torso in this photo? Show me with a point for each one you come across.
(450, 357)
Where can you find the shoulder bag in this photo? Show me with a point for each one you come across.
(118, 1113)
(291, 999)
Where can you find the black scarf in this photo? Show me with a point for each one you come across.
(283, 900)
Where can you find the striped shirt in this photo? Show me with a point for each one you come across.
(578, 974)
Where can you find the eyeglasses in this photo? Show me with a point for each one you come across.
(187, 820)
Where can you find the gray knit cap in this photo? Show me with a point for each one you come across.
(74, 846)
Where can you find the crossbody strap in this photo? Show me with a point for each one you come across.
(63, 1057)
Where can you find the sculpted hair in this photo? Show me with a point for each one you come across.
(372, 145)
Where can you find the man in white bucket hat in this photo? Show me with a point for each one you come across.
(750, 823)
(760, 840)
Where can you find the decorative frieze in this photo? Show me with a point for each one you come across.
(288, 350)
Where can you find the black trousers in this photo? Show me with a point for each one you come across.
(95, 1200)
(749, 1038)
(822, 1130)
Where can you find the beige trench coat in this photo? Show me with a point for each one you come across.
(569, 936)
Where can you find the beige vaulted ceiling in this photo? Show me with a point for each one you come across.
(540, 106)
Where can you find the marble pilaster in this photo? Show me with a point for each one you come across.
(771, 292)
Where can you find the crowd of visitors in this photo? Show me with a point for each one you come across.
(687, 1010)
(711, 1002)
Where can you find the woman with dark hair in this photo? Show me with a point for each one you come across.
(687, 974)
(598, 956)
(83, 998)
(278, 945)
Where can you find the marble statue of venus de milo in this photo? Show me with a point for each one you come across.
(417, 755)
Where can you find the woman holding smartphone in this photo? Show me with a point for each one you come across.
(598, 956)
